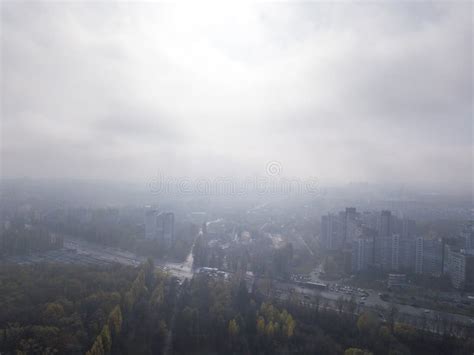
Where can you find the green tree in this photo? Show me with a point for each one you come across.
(270, 330)
(260, 326)
(115, 321)
(233, 328)
(392, 314)
(53, 312)
(106, 339)
(290, 326)
(97, 348)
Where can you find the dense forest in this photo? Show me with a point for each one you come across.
(46, 309)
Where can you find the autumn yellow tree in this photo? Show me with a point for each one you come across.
(233, 328)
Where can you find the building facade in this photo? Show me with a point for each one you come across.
(159, 226)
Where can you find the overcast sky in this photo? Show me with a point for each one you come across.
(345, 91)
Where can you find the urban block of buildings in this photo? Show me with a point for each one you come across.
(382, 241)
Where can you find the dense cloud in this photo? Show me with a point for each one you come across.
(378, 92)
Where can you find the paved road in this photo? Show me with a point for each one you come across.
(409, 314)
(180, 270)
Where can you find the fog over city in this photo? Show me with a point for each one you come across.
(344, 91)
(244, 177)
